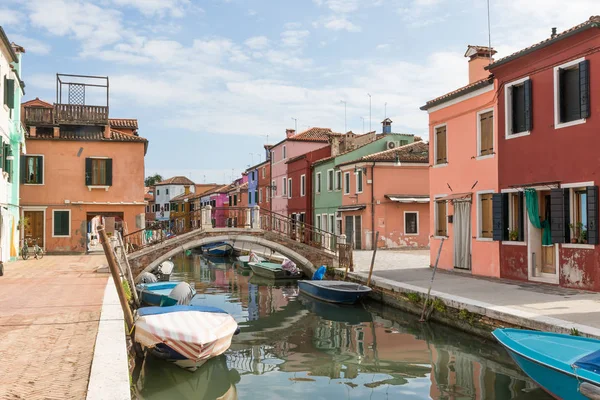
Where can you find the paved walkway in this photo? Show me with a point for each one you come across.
(49, 312)
(533, 305)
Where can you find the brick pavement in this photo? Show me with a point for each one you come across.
(49, 312)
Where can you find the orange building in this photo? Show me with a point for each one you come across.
(81, 170)
(464, 173)
(387, 192)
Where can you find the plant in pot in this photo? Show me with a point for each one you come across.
(583, 236)
(513, 235)
(576, 232)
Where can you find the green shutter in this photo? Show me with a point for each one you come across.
(109, 172)
(88, 171)
(23, 162)
(584, 88)
(592, 214)
(10, 93)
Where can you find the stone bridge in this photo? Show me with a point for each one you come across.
(306, 257)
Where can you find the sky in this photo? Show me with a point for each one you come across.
(211, 81)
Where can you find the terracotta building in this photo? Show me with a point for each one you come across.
(264, 185)
(546, 211)
(82, 169)
(464, 171)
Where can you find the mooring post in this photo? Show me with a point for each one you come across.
(114, 270)
(373, 259)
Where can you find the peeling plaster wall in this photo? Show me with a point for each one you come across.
(579, 269)
(513, 264)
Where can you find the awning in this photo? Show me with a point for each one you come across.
(408, 199)
(352, 208)
(456, 196)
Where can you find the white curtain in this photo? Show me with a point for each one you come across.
(462, 234)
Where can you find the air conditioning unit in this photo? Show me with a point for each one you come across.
(393, 145)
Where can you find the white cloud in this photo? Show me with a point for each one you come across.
(10, 17)
(294, 38)
(287, 59)
(252, 13)
(30, 45)
(383, 46)
(257, 42)
(292, 25)
(340, 24)
(339, 6)
(174, 8)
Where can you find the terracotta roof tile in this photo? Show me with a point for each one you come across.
(116, 136)
(592, 22)
(314, 135)
(183, 196)
(471, 87)
(176, 180)
(37, 103)
(129, 123)
(417, 152)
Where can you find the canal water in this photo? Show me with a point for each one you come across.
(293, 347)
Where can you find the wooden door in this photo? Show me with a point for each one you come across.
(358, 232)
(349, 230)
(34, 226)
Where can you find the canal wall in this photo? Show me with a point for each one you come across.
(473, 316)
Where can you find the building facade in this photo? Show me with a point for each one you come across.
(12, 137)
(463, 148)
(167, 190)
(386, 192)
(81, 170)
(263, 186)
(546, 211)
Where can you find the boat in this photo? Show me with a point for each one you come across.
(349, 314)
(334, 291)
(163, 271)
(185, 335)
(273, 270)
(565, 366)
(242, 261)
(165, 293)
(218, 249)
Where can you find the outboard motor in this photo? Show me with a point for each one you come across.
(183, 293)
(148, 277)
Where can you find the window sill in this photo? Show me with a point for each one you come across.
(578, 246)
(516, 135)
(570, 123)
(33, 184)
(441, 237)
(513, 243)
(440, 165)
(61, 236)
(411, 234)
(90, 187)
(484, 157)
(484, 239)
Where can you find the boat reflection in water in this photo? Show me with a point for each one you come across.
(295, 347)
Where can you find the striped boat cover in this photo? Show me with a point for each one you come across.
(195, 335)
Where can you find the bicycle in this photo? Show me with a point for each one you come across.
(38, 253)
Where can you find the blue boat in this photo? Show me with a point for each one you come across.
(217, 249)
(334, 291)
(164, 293)
(567, 367)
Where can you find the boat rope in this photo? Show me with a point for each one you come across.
(575, 368)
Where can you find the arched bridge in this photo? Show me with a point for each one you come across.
(307, 246)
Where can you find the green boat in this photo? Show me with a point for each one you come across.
(242, 261)
(272, 271)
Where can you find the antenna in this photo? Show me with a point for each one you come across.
(295, 124)
(345, 116)
(489, 31)
(368, 94)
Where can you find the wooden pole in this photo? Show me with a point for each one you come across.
(431, 283)
(373, 259)
(130, 279)
(114, 270)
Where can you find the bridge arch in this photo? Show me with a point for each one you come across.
(169, 251)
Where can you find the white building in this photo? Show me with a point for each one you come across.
(168, 189)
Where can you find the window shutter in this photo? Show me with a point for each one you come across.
(40, 169)
(500, 216)
(592, 214)
(88, 171)
(109, 172)
(528, 105)
(559, 215)
(10, 93)
(23, 162)
(584, 88)
(520, 217)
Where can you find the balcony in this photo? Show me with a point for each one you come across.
(39, 116)
(78, 114)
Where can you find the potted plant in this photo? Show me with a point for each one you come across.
(513, 236)
(583, 236)
(576, 230)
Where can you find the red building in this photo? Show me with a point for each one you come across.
(264, 185)
(300, 200)
(546, 215)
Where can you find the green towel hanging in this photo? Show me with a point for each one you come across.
(531, 199)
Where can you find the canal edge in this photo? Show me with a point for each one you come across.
(109, 374)
(469, 315)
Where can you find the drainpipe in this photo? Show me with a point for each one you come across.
(373, 206)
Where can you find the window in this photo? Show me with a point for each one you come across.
(230, 201)
(441, 143)
(331, 223)
(516, 212)
(33, 170)
(359, 181)
(260, 195)
(518, 103)
(249, 197)
(347, 183)
(9, 92)
(411, 223)
(253, 176)
(267, 191)
(157, 192)
(403, 142)
(61, 223)
(485, 129)
(167, 191)
(273, 189)
(302, 185)
(441, 222)
(318, 222)
(289, 188)
(283, 153)
(98, 171)
(338, 180)
(571, 93)
(235, 199)
(147, 209)
(486, 222)
(284, 187)
(318, 184)
(167, 205)
(324, 222)
(263, 171)
(330, 180)
(272, 156)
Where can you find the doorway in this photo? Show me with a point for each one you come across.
(112, 221)
(541, 258)
(462, 234)
(354, 230)
(34, 226)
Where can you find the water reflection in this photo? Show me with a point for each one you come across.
(292, 346)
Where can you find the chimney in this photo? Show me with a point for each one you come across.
(479, 58)
(387, 125)
(553, 33)
(107, 132)
(290, 132)
(32, 131)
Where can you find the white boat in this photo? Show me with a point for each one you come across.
(164, 270)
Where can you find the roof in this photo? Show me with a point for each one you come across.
(37, 103)
(235, 187)
(202, 188)
(473, 50)
(291, 160)
(314, 135)
(11, 51)
(176, 180)
(129, 123)
(592, 22)
(471, 87)
(257, 165)
(183, 196)
(353, 207)
(417, 152)
(115, 136)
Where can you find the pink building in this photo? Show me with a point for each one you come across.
(464, 171)
(292, 146)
